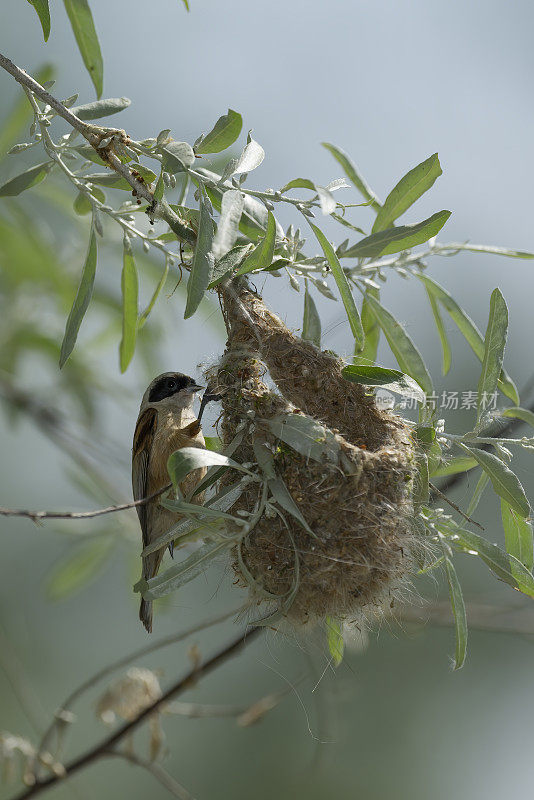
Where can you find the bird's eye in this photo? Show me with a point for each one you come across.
(171, 384)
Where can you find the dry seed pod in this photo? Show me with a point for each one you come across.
(347, 549)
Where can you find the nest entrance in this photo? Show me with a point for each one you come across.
(333, 533)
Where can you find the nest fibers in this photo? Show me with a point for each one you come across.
(333, 533)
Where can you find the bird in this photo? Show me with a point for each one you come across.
(166, 422)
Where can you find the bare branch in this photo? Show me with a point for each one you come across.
(102, 748)
(453, 505)
(99, 512)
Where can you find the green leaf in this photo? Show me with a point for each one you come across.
(393, 240)
(203, 261)
(157, 292)
(445, 346)
(371, 328)
(183, 572)
(343, 286)
(504, 481)
(497, 560)
(31, 177)
(21, 113)
(477, 494)
(390, 379)
(84, 31)
(421, 480)
(177, 157)
(229, 263)
(523, 414)
(305, 435)
(517, 536)
(298, 183)
(336, 645)
(407, 355)
(81, 301)
(263, 254)
(353, 175)
(494, 344)
(223, 134)
(43, 12)
(409, 189)
(311, 323)
(160, 187)
(458, 610)
(282, 495)
(455, 465)
(213, 443)
(469, 331)
(186, 459)
(101, 108)
(186, 4)
(228, 228)
(78, 568)
(130, 291)
(250, 158)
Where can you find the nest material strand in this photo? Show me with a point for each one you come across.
(358, 503)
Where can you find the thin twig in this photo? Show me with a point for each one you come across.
(122, 662)
(155, 769)
(453, 505)
(181, 685)
(99, 512)
(94, 135)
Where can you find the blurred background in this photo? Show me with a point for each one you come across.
(391, 83)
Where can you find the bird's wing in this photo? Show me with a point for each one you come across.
(142, 445)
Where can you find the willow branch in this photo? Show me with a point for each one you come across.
(99, 512)
(102, 748)
(94, 134)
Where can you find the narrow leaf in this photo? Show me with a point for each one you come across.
(84, 31)
(343, 286)
(233, 259)
(404, 350)
(311, 323)
(455, 465)
(469, 331)
(390, 379)
(281, 494)
(415, 183)
(305, 435)
(228, 228)
(43, 12)
(504, 481)
(298, 183)
(130, 291)
(78, 568)
(336, 645)
(203, 261)
(520, 413)
(371, 328)
(393, 240)
(31, 177)
(186, 459)
(223, 134)
(497, 560)
(101, 108)
(353, 175)
(445, 346)
(185, 571)
(157, 292)
(494, 344)
(81, 301)
(517, 536)
(251, 157)
(458, 610)
(263, 254)
(477, 494)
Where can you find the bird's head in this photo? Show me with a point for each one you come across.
(172, 391)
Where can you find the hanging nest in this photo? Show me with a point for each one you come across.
(348, 547)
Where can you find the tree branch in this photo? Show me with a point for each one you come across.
(160, 774)
(186, 682)
(94, 135)
(99, 512)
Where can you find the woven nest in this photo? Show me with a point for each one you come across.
(353, 486)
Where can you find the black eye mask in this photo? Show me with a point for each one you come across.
(169, 385)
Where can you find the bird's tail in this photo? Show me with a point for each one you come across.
(145, 614)
(150, 568)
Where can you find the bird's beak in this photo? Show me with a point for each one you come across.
(194, 388)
